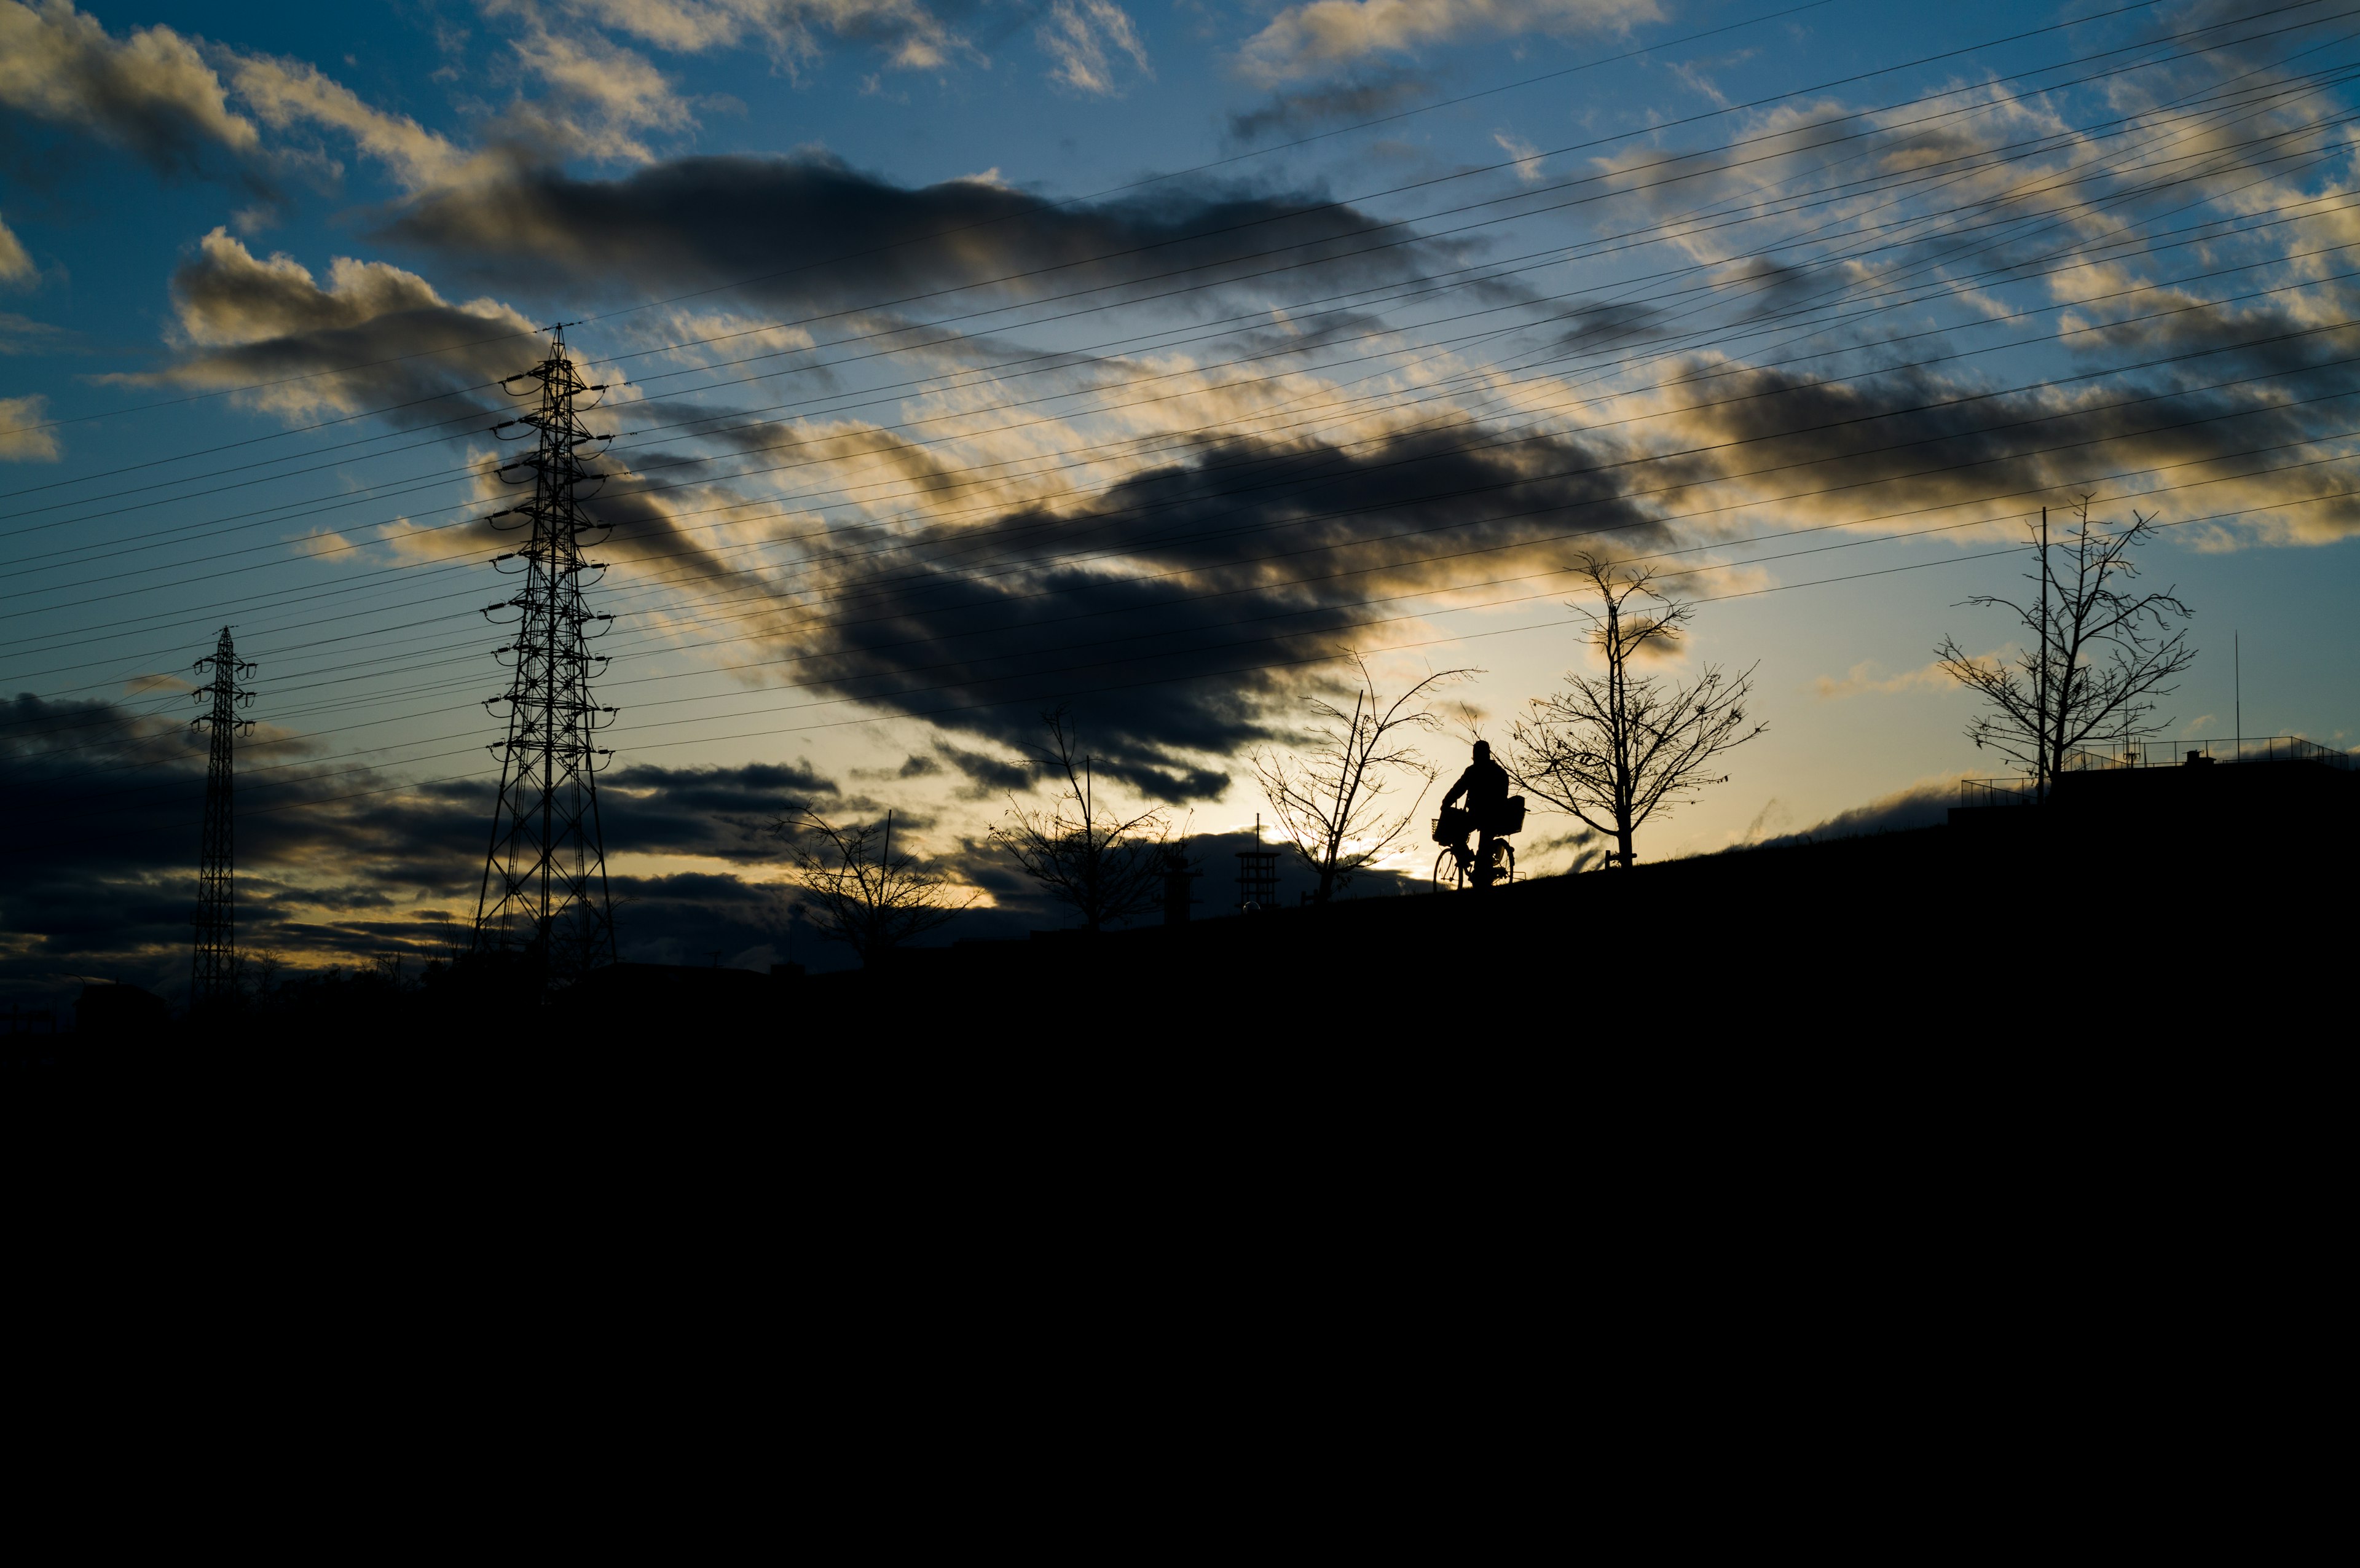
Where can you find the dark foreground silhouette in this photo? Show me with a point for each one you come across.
(2166, 895)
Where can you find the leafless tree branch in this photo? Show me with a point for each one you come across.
(1106, 868)
(1613, 752)
(862, 892)
(1330, 799)
(2100, 658)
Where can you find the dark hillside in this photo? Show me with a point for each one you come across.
(2157, 896)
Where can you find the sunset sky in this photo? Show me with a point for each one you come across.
(970, 360)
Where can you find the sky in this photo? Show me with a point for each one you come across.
(967, 361)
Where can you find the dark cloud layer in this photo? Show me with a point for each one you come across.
(811, 229)
(1295, 114)
(330, 861)
(723, 812)
(1174, 612)
(2210, 392)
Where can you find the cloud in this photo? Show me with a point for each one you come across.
(912, 37)
(1303, 111)
(1527, 156)
(367, 338)
(333, 865)
(163, 97)
(22, 334)
(720, 813)
(1924, 804)
(1303, 40)
(1082, 35)
(2223, 428)
(285, 93)
(150, 92)
(988, 775)
(19, 443)
(2217, 399)
(1178, 610)
(16, 266)
(702, 917)
(602, 97)
(1863, 678)
(814, 231)
(1584, 325)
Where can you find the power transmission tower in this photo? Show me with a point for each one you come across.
(214, 977)
(544, 888)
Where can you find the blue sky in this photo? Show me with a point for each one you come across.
(1812, 304)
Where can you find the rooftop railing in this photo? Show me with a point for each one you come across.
(2018, 792)
(1994, 792)
(2180, 753)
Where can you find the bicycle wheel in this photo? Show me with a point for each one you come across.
(1504, 863)
(1448, 875)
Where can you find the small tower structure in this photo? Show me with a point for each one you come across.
(212, 978)
(1257, 875)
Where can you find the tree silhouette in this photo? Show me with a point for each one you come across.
(1330, 798)
(1106, 868)
(2099, 656)
(1613, 752)
(859, 891)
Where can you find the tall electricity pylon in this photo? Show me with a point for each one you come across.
(544, 890)
(214, 977)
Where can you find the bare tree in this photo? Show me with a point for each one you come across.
(859, 891)
(2100, 654)
(1105, 866)
(1330, 798)
(1615, 751)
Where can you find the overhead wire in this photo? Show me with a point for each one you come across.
(1656, 128)
(1050, 206)
(1781, 134)
(1901, 128)
(1650, 522)
(412, 787)
(649, 489)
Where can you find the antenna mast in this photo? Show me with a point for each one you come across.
(544, 888)
(214, 978)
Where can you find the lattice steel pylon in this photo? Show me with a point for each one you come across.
(544, 890)
(214, 977)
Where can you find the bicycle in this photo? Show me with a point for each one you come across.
(1454, 868)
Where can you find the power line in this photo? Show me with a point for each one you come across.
(1631, 189)
(656, 489)
(1055, 395)
(1642, 523)
(1654, 129)
(2021, 388)
(414, 786)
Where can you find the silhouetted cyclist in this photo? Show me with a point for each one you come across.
(1485, 785)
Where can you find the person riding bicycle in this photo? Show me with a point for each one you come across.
(1485, 785)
